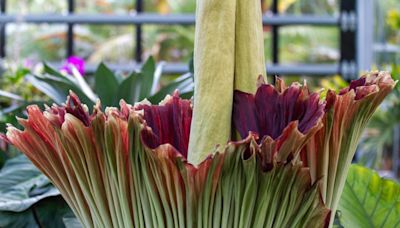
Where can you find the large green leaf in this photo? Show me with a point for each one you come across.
(58, 88)
(22, 185)
(129, 89)
(183, 83)
(47, 213)
(9, 95)
(369, 200)
(55, 94)
(147, 78)
(70, 221)
(27, 198)
(106, 85)
(49, 70)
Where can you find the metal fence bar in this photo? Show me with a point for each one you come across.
(275, 36)
(303, 69)
(171, 19)
(348, 39)
(283, 20)
(3, 6)
(70, 31)
(272, 69)
(138, 50)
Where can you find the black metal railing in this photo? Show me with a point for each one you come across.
(346, 21)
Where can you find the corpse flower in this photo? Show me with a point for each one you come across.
(127, 167)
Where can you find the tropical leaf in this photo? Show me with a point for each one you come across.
(147, 78)
(106, 85)
(72, 222)
(10, 95)
(183, 83)
(129, 88)
(22, 185)
(54, 93)
(57, 88)
(48, 212)
(82, 84)
(27, 198)
(156, 77)
(369, 200)
(49, 70)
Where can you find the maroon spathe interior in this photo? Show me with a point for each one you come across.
(72, 106)
(269, 112)
(170, 123)
(361, 87)
(75, 108)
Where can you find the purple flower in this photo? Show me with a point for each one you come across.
(29, 63)
(74, 61)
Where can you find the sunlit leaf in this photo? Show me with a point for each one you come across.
(369, 200)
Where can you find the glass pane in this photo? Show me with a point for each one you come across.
(36, 6)
(97, 43)
(169, 43)
(104, 6)
(170, 6)
(309, 44)
(36, 42)
(387, 32)
(267, 44)
(320, 7)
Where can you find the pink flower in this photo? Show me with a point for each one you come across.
(74, 61)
